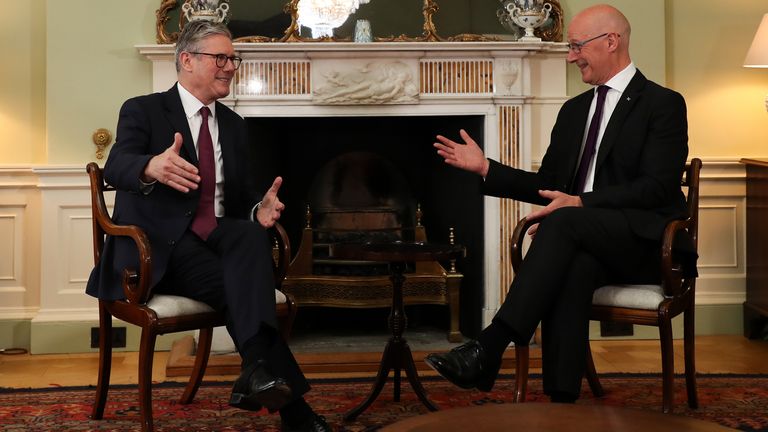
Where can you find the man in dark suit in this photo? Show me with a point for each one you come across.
(605, 211)
(181, 168)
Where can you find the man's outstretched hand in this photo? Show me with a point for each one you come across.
(171, 169)
(468, 156)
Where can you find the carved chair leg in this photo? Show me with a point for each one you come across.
(591, 373)
(667, 365)
(105, 362)
(201, 361)
(522, 356)
(689, 352)
(146, 356)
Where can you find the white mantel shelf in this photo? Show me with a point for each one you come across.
(310, 47)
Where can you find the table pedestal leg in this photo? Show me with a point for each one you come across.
(397, 354)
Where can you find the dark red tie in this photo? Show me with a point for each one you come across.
(205, 217)
(591, 143)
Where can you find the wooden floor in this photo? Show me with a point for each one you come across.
(714, 354)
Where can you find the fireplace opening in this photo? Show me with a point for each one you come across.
(384, 166)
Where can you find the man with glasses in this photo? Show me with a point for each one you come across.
(608, 183)
(180, 166)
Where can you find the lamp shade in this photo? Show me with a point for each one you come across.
(757, 56)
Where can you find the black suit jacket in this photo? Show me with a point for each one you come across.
(639, 163)
(145, 128)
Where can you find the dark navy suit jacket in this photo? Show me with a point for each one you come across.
(639, 163)
(145, 128)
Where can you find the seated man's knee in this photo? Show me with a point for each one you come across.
(562, 217)
(250, 232)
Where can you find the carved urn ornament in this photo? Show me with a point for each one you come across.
(208, 10)
(527, 14)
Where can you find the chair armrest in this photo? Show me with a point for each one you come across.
(135, 286)
(672, 271)
(518, 237)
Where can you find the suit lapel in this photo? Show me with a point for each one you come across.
(628, 100)
(178, 120)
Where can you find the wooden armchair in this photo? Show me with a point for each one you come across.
(653, 305)
(160, 314)
(315, 279)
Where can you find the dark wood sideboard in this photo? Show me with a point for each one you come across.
(756, 306)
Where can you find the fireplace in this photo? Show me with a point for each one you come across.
(299, 148)
(317, 100)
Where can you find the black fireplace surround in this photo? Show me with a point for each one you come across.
(300, 149)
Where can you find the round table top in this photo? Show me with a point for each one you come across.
(397, 251)
(544, 417)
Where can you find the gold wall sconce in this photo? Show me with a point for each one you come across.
(102, 138)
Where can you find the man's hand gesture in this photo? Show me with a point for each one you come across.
(171, 169)
(467, 156)
(557, 199)
(269, 211)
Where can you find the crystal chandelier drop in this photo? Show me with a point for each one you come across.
(322, 16)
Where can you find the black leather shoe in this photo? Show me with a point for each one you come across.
(316, 423)
(465, 366)
(256, 388)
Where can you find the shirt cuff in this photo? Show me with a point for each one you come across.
(254, 210)
(146, 188)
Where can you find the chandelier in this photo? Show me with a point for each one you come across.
(322, 16)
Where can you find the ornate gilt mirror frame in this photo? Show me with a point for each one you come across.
(291, 34)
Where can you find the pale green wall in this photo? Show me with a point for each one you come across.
(647, 43)
(22, 82)
(92, 67)
(706, 47)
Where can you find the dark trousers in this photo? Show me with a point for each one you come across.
(232, 272)
(575, 251)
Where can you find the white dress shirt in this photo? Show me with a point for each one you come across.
(192, 110)
(616, 86)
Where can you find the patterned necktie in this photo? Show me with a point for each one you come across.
(205, 217)
(591, 143)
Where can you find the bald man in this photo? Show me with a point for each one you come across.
(605, 204)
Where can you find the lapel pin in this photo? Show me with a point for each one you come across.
(629, 98)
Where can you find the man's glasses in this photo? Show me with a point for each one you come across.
(221, 59)
(576, 46)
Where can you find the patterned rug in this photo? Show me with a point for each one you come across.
(736, 401)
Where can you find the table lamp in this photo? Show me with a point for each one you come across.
(757, 56)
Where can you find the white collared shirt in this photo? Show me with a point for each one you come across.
(192, 110)
(616, 86)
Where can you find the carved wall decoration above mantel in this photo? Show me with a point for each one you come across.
(277, 21)
(367, 82)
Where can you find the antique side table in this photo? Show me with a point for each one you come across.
(397, 354)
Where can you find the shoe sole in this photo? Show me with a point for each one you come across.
(272, 397)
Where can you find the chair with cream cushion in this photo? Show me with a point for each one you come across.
(652, 305)
(161, 314)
